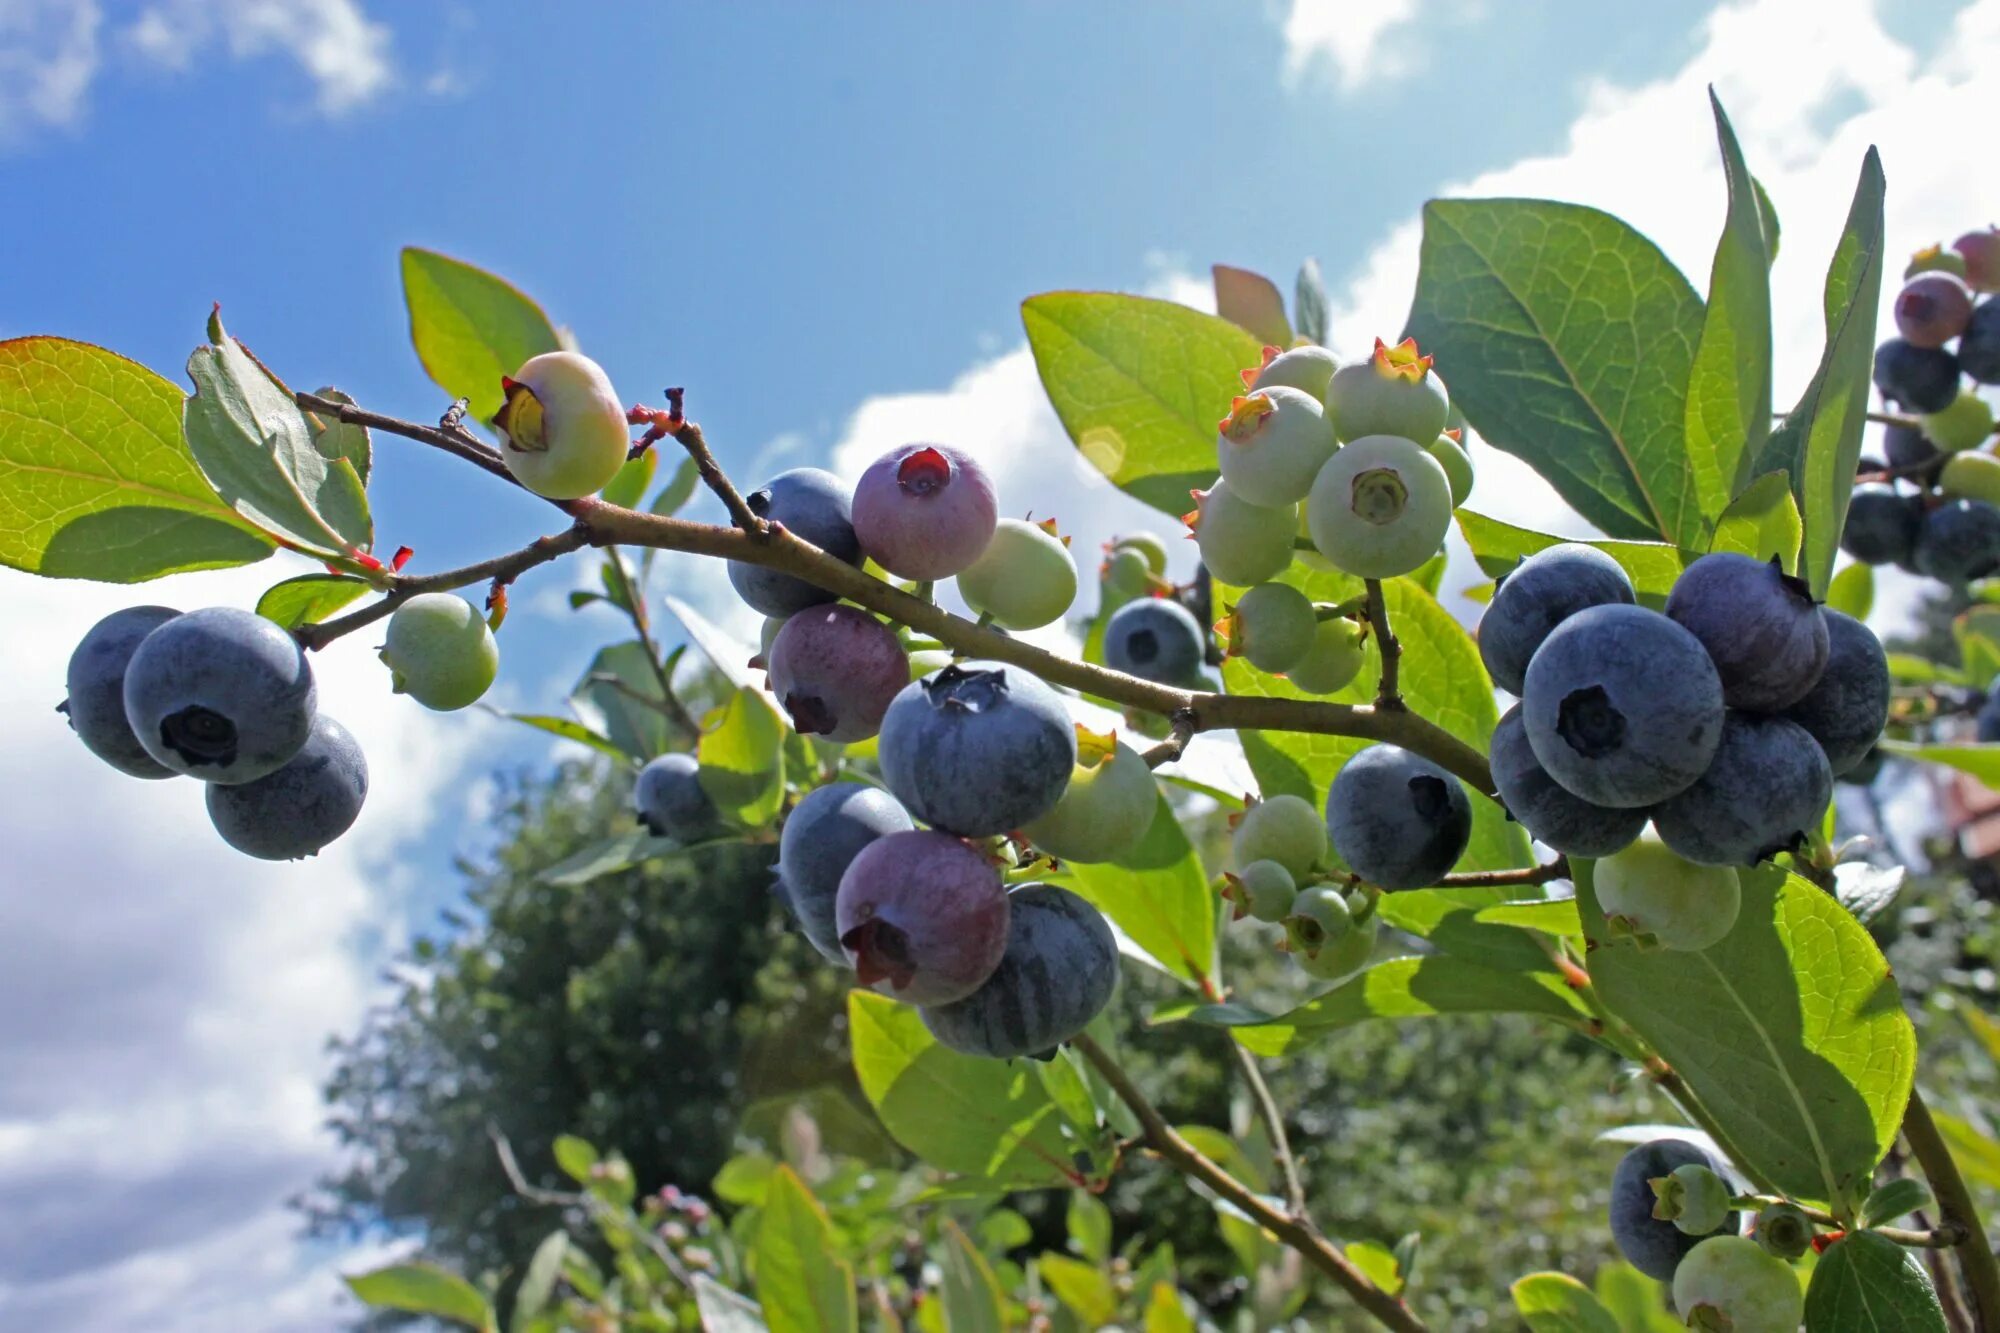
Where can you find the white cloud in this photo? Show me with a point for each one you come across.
(343, 51)
(48, 57)
(1357, 43)
(165, 1001)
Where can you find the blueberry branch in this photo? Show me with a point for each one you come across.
(688, 435)
(1388, 695)
(1175, 745)
(587, 1201)
(1955, 1209)
(1942, 1237)
(635, 608)
(1185, 1158)
(1483, 879)
(1274, 1129)
(447, 435)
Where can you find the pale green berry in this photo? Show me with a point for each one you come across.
(1107, 807)
(929, 660)
(1972, 475)
(1306, 369)
(1024, 579)
(1272, 445)
(1241, 543)
(1935, 259)
(1660, 900)
(1457, 465)
(1345, 956)
(1122, 576)
(768, 635)
(1263, 890)
(1281, 828)
(1334, 659)
(1380, 507)
(1272, 625)
(440, 652)
(1965, 424)
(1393, 392)
(1319, 919)
(1146, 544)
(1782, 1230)
(562, 433)
(1728, 1284)
(1692, 1197)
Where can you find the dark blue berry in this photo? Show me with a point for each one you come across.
(96, 680)
(1652, 1245)
(1759, 624)
(1057, 973)
(1544, 590)
(821, 838)
(1846, 711)
(1922, 379)
(1550, 812)
(811, 504)
(1763, 794)
(220, 694)
(670, 801)
(1959, 541)
(1154, 639)
(1397, 819)
(1979, 345)
(977, 749)
(306, 804)
(1882, 525)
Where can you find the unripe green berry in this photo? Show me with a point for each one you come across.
(1024, 579)
(1344, 956)
(1281, 828)
(1393, 392)
(1264, 890)
(1692, 1197)
(1272, 444)
(1965, 424)
(1457, 465)
(562, 433)
(1121, 577)
(1273, 625)
(440, 652)
(1380, 507)
(1241, 543)
(1334, 659)
(1147, 544)
(1306, 369)
(1659, 900)
(1783, 1231)
(1319, 919)
(1973, 475)
(1107, 807)
(929, 660)
(1935, 259)
(1727, 1284)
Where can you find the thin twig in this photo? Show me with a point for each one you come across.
(454, 441)
(1185, 1158)
(1175, 745)
(688, 435)
(1941, 1237)
(1388, 695)
(635, 610)
(585, 1200)
(1955, 1208)
(1483, 879)
(1274, 1129)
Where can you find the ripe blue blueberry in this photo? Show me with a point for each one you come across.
(96, 680)
(1958, 542)
(1056, 973)
(1906, 447)
(1541, 592)
(1241, 543)
(220, 694)
(1154, 639)
(1763, 792)
(1728, 1284)
(822, 836)
(670, 801)
(1882, 525)
(1622, 706)
(297, 810)
(1107, 807)
(1282, 828)
(1921, 379)
(811, 504)
(978, 749)
(1979, 345)
(1759, 624)
(1653, 1245)
(836, 669)
(1846, 711)
(925, 511)
(1549, 811)
(1396, 818)
(922, 917)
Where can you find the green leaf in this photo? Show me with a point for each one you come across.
(1252, 303)
(1976, 1152)
(423, 1289)
(620, 852)
(1853, 590)
(1767, 213)
(1554, 917)
(677, 492)
(1977, 633)
(988, 1119)
(970, 1293)
(619, 697)
(1140, 385)
(257, 449)
(1088, 1222)
(470, 328)
(310, 598)
(1897, 1198)
(1404, 988)
(1567, 338)
(1083, 1288)
(1634, 1300)
(1729, 385)
(1982, 761)
(1159, 896)
(628, 486)
(730, 656)
(1762, 522)
(1865, 1284)
(1558, 1303)
(1498, 547)
(1790, 1030)
(1867, 890)
(538, 1284)
(575, 1156)
(1442, 680)
(336, 439)
(1309, 303)
(1378, 1262)
(1820, 438)
(1165, 1313)
(1910, 669)
(569, 731)
(1475, 924)
(802, 1285)
(724, 1311)
(96, 480)
(743, 760)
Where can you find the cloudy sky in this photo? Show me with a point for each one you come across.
(822, 220)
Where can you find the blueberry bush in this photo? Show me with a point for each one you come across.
(954, 832)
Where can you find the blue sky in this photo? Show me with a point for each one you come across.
(821, 219)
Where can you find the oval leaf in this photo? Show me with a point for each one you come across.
(423, 1289)
(743, 760)
(1790, 1030)
(1981, 760)
(970, 1293)
(1309, 303)
(1252, 303)
(1729, 385)
(1865, 1284)
(1853, 590)
(1762, 522)
(1158, 895)
(1566, 338)
(723, 1311)
(1499, 546)
(470, 327)
(1558, 1303)
(310, 598)
(801, 1283)
(95, 477)
(1140, 385)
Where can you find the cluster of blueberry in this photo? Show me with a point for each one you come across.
(1723, 720)
(1671, 1217)
(227, 696)
(1946, 524)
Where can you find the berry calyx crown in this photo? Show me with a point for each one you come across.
(1094, 748)
(1250, 373)
(1403, 361)
(1246, 414)
(925, 472)
(521, 420)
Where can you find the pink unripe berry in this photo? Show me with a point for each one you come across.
(922, 916)
(1932, 309)
(836, 669)
(925, 511)
(1981, 252)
